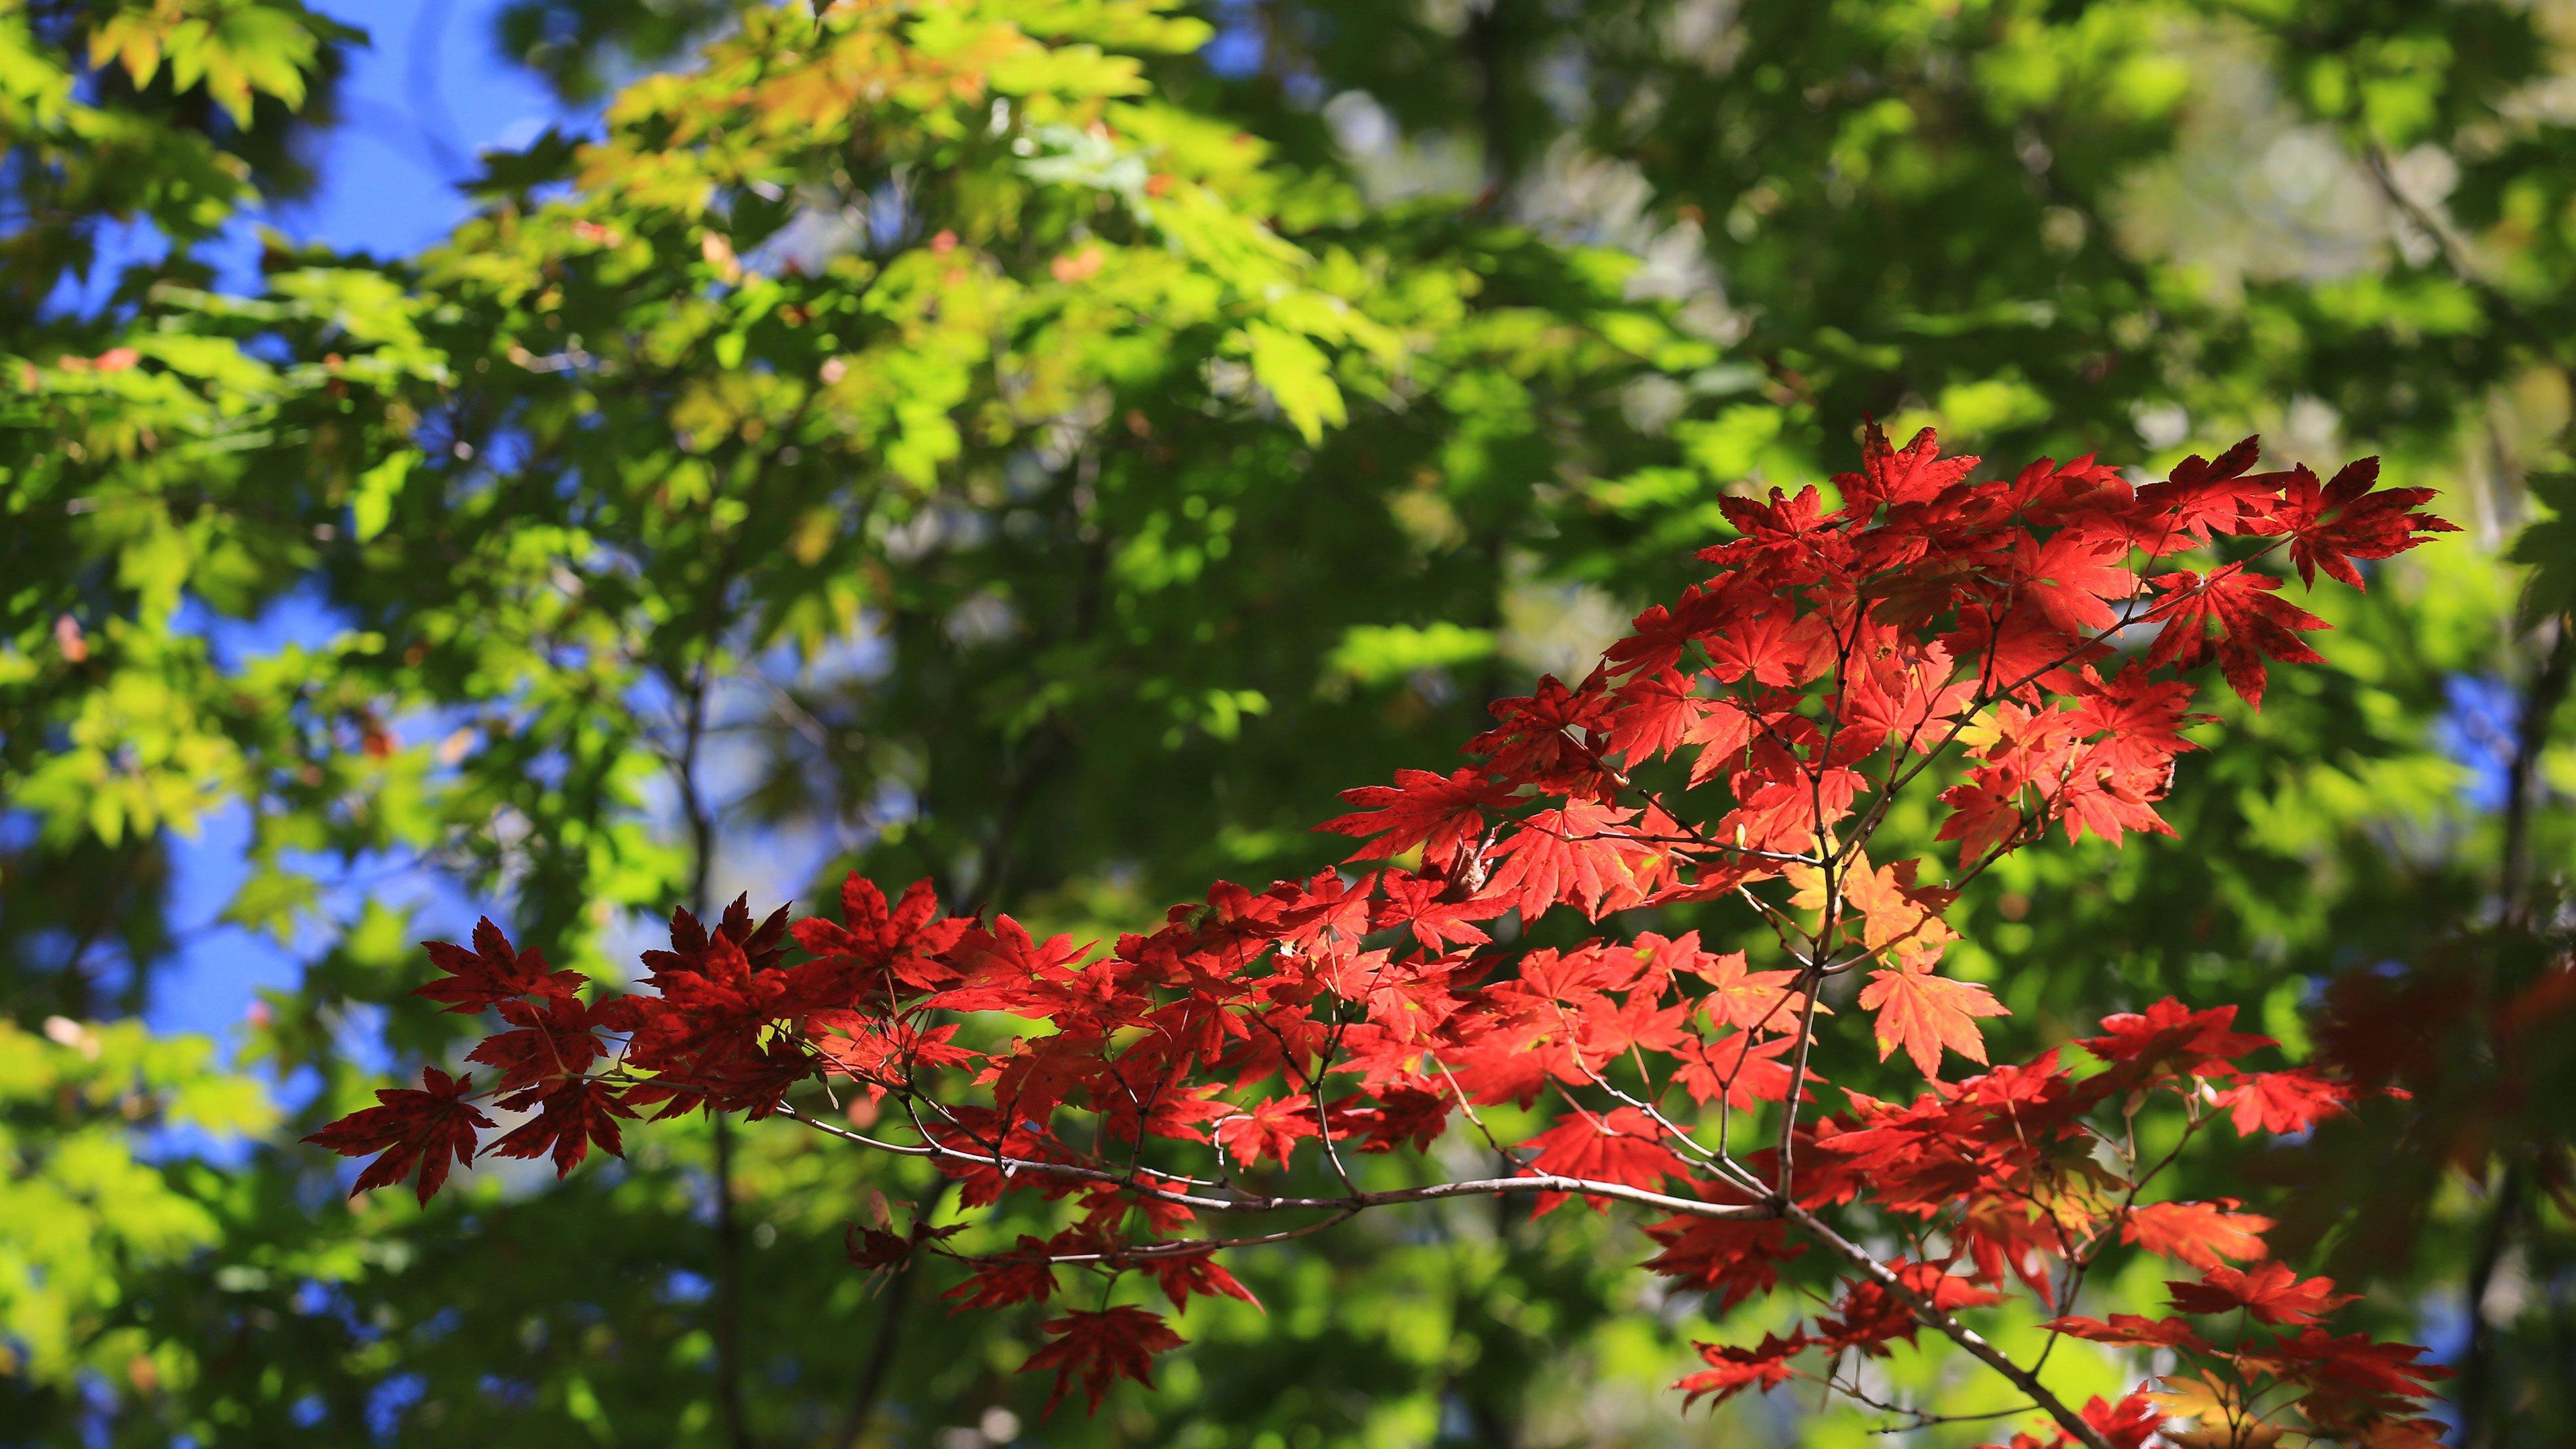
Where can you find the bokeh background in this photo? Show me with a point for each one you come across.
(564, 458)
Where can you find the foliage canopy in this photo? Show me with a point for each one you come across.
(1046, 449)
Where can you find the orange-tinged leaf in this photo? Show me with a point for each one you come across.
(1923, 1013)
(2199, 1233)
(2217, 1413)
(2272, 1292)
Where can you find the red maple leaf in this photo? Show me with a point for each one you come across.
(1777, 649)
(2203, 1234)
(1273, 1128)
(553, 1036)
(1624, 1147)
(2270, 1291)
(2236, 614)
(2131, 1328)
(1733, 1370)
(2169, 1036)
(1578, 854)
(1923, 1013)
(428, 1127)
(2068, 577)
(2138, 717)
(1909, 474)
(2286, 1101)
(1743, 1070)
(2344, 520)
(1731, 1259)
(1654, 716)
(1184, 1274)
(570, 1117)
(2352, 1367)
(491, 973)
(1440, 813)
(1736, 996)
(1025, 1275)
(1101, 1348)
(905, 939)
(2202, 497)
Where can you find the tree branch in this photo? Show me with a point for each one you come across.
(1949, 1327)
(1254, 1203)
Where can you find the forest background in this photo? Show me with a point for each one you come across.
(559, 457)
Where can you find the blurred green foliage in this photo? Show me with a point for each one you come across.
(1050, 447)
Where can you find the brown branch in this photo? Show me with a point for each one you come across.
(1257, 1203)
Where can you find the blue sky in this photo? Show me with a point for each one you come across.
(427, 94)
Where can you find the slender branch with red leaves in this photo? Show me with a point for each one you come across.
(2021, 650)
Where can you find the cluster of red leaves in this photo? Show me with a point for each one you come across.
(2026, 642)
(2027, 1175)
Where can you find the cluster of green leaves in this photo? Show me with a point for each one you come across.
(1032, 446)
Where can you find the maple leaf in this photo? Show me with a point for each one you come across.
(1654, 716)
(2219, 1410)
(1777, 649)
(2352, 1367)
(1778, 521)
(1577, 854)
(1200, 1273)
(2201, 497)
(2067, 578)
(1027, 1275)
(2270, 1291)
(1441, 813)
(2251, 621)
(905, 938)
(2345, 520)
(428, 1126)
(1736, 997)
(874, 1248)
(570, 1117)
(1909, 474)
(2132, 1329)
(1273, 1128)
(1895, 913)
(1738, 1068)
(1102, 1348)
(491, 973)
(1733, 1260)
(1733, 1370)
(2171, 1036)
(2101, 795)
(1624, 1147)
(2286, 1101)
(1007, 969)
(1416, 902)
(2203, 1234)
(1984, 811)
(1923, 1013)
(1658, 636)
(1869, 1317)
(554, 1036)
(2139, 717)
(2127, 1424)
